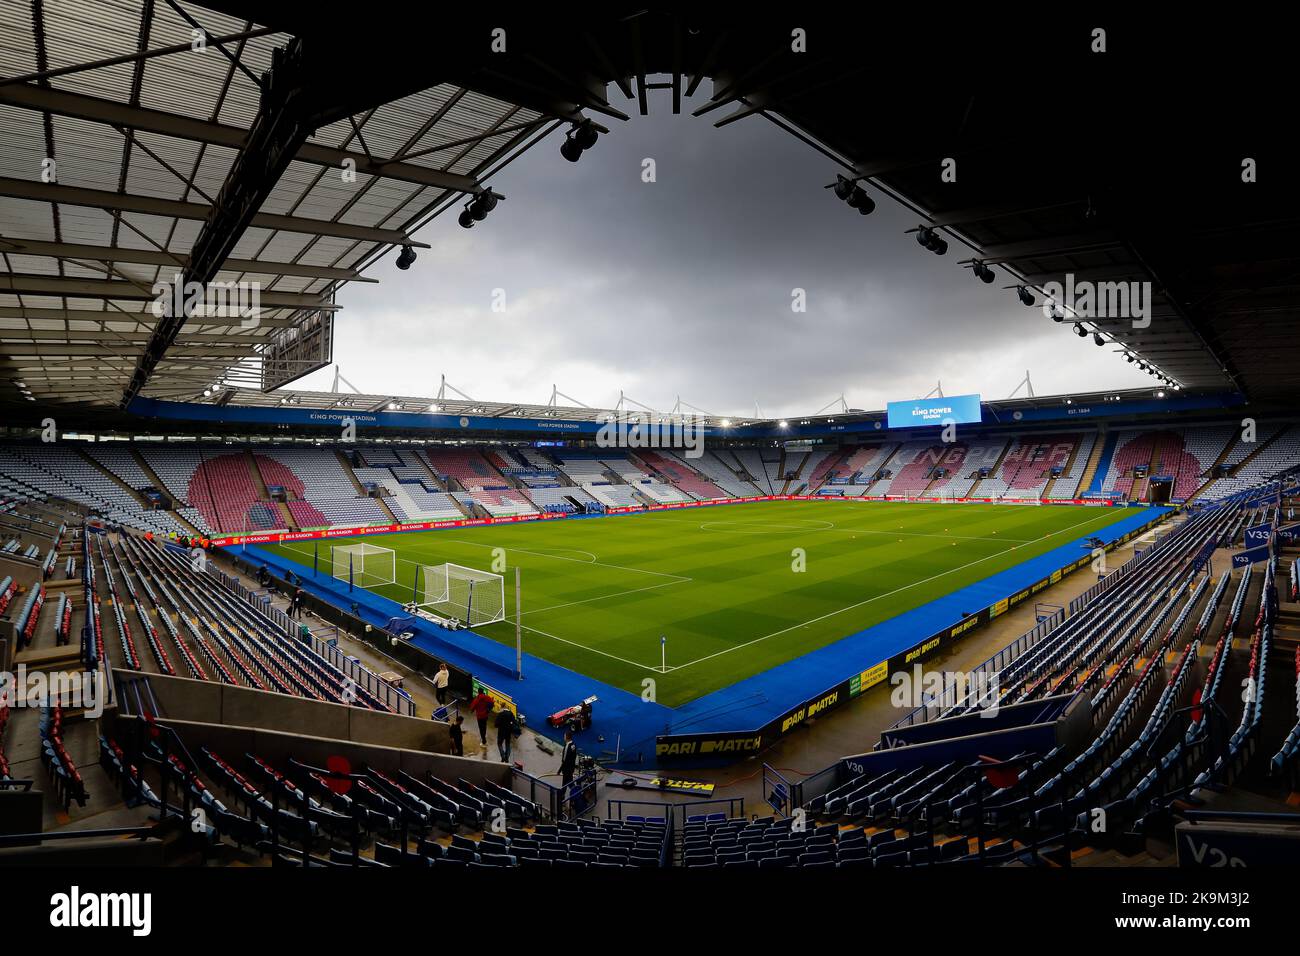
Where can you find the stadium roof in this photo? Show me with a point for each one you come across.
(423, 416)
(1067, 161)
(142, 147)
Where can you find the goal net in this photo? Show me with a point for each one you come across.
(365, 565)
(475, 597)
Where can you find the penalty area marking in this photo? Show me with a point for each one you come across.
(677, 579)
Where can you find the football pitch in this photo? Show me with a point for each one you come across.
(733, 590)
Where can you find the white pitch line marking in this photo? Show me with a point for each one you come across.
(655, 669)
(605, 597)
(850, 607)
(558, 557)
(680, 579)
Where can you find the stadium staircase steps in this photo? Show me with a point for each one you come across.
(81, 739)
(1094, 462)
(1209, 475)
(886, 463)
(738, 470)
(973, 491)
(926, 491)
(289, 521)
(467, 509)
(264, 493)
(392, 518)
(152, 476)
(136, 495)
(185, 523)
(831, 468)
(255, 473)
(1141, 489)
(1109, 856)
(1205, 486)
(1286, 638)
(360, 488)
(45, 654)
(347, 470)
(428, 470)
(158, 483)
(1259, 449)
(650, 470)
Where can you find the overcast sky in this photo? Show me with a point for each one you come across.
(683, 287)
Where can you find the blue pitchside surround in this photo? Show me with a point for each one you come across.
(751, 703)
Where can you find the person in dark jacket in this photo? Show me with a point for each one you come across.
(507, 726)
(458, 737)
(568, 759)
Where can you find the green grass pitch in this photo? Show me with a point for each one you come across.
(723, 584)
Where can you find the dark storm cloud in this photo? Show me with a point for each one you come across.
(683, 286)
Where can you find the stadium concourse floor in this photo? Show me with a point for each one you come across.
(848, 730)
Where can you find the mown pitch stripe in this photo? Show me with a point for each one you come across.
(905, 587)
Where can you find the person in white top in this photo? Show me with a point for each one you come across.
(440, 683)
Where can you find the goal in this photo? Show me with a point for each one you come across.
(365, 565)
(475, 597)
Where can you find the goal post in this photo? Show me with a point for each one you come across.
(365, 565)
(453, 590)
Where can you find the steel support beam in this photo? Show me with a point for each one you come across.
(172, 208)
(124, 318)
(22, 284)
(202, 131)
(152, 257)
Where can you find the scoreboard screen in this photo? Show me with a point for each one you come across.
(959, 409)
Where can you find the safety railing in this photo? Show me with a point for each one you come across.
(577, 799)
(394, 698)
(673, 814)
(949, 697)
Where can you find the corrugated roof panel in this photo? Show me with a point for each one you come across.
(81, 31)
(326, 250)
(148, 176)
(32, 265)
(202, 85)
